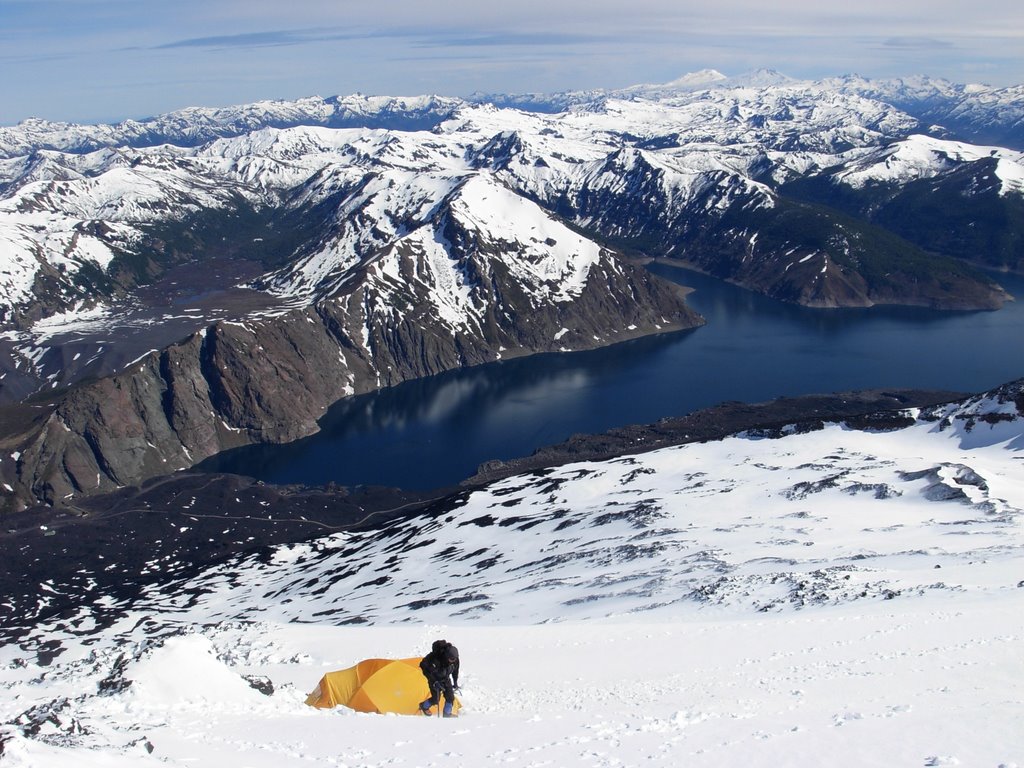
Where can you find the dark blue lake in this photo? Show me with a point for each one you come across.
(436, 431)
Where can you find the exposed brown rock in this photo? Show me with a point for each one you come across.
(269, 381)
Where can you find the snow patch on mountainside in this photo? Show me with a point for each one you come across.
(449, 289)
(924, 157)
(19, 262)
(555, 259)
(378, 208)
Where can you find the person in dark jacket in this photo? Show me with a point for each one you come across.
(441, 668)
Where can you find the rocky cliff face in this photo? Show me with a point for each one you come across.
(270, 380)
(723, 223)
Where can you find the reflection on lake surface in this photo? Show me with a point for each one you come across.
(434, 432)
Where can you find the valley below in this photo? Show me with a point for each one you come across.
(173, 291)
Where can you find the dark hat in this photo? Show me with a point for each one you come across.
(439, 646)
(452, 653)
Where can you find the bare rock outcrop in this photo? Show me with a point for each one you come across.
(270, 380)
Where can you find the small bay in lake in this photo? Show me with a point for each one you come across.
(435, 432)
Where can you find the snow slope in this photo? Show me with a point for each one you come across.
(924, 157)
(804, 598)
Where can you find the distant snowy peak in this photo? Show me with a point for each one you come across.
(707, 79)
(701, 78)
(691, 82)
(760, 78)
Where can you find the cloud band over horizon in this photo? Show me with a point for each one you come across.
(101, 60)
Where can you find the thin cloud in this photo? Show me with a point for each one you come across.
(424, 38)
(275, 38)
(250, 40)
(488, 40)
(917, 43)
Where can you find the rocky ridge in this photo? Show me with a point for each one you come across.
(270, 380)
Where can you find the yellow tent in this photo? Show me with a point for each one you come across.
(375, 685)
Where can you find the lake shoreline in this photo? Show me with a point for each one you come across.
(437, 431)
(875, 409)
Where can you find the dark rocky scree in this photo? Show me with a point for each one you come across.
(115, 545)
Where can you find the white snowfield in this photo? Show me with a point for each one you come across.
(924, 157)
(835, 597)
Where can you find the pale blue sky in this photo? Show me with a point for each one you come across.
(106, 60)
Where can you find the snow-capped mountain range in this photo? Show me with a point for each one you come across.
(198, 125)
(845, 592)
(974, 111)
(77, 199)
(413, 235)
(61, 181)
(830, 589)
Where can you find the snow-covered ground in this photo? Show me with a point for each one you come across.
(936, 682)
(835, 597)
